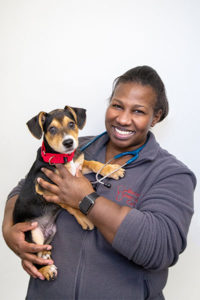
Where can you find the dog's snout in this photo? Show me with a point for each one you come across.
(68, 143)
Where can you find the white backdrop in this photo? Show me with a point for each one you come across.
(59, 52)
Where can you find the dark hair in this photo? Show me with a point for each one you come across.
(146, 75)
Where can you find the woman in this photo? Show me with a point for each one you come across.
(141, 221)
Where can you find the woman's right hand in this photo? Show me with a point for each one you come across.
(15, 238)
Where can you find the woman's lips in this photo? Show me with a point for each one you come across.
(122, 133)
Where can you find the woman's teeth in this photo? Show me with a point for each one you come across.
(124, 132)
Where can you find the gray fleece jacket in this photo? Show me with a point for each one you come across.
(159, 189)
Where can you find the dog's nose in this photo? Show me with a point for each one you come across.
(68, 143)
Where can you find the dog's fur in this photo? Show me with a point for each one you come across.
(59, 129)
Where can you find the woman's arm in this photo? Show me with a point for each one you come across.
(105, 214)
(14, 235)
(153, 235)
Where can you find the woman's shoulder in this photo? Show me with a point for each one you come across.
(164, 163)
(83, 140)
(168, 164)
(162, 156)
(166, 157)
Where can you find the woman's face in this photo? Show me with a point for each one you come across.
(130, 114)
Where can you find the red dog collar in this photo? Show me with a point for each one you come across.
(55, 158)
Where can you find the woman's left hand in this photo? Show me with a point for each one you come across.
(68, 189)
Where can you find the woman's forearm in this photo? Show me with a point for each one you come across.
(107, 217)
(8, 214)
(105, 214)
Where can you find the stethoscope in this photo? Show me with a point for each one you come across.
(134, 153)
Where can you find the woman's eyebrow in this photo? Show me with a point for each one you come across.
(134, 105)
(138, 105)
(117, 100)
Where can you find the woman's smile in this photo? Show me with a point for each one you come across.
(130, 115)
(122, 133)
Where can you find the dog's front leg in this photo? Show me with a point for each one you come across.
(94, 166)
(85, 223)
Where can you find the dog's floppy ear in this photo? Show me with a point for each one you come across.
(35, 125)
(80, 115)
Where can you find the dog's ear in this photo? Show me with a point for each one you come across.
(80, 116)
(35, 125)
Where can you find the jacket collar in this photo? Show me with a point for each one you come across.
(96, 151)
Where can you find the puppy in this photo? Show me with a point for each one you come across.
(59, 129)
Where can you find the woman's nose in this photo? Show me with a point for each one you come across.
(124, 118)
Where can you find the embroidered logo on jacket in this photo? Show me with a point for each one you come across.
(127, 196)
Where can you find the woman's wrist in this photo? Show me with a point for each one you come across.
(86, 204)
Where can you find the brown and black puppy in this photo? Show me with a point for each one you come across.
(59, 129)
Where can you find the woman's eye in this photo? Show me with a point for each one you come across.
(71, 125)
(116, 105)
(140, 112)
(53, 130)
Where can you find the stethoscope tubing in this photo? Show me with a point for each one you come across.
(134, 153)
(92, 141)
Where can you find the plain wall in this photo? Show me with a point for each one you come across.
(68, 52)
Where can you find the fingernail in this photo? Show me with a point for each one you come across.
(49, 247)
(34, 223)
(41, 278)
(38, 179)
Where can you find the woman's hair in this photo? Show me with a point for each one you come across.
(146, 75)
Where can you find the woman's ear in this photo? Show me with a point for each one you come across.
(156, 117)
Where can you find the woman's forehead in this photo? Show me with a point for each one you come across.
(134, 92)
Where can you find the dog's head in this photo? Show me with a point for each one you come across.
(59, 127)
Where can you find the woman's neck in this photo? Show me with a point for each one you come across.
(112, 151)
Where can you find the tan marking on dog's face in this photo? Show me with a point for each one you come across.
(72, 111)
(41, 119)
(60, 132)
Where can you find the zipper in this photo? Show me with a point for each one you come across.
(81, 262)
(80, 267)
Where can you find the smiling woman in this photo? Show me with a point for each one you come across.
(138, 102)
(146, 76)
(130, 115)
(141, 221)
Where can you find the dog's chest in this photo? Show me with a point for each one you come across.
(72, 167)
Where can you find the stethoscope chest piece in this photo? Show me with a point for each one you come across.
(107, 184)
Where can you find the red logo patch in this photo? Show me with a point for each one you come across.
(127, 196)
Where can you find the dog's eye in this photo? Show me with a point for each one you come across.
(71, 125)
(53, 130)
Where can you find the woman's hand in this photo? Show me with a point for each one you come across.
(68, 189)
(15, 238)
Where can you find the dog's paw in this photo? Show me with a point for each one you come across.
(49, 272)
(45, 254)
(85, 223)
(111, 168)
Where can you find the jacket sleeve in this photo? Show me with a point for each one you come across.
(154, 234)
(16, 190)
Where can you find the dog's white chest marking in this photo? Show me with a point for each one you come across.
(73, 167)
